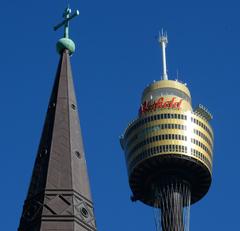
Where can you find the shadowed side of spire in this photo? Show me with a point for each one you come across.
(59, 196)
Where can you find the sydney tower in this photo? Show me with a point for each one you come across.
(168, 150)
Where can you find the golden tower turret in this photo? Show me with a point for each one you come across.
(168, 149)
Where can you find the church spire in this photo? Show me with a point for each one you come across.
(59, 195)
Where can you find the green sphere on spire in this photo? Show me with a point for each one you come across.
(65, 44)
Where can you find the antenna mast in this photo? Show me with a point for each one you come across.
(163, 42)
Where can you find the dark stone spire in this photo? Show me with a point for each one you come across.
(59, 197)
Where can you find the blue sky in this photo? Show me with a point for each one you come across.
(117, 56)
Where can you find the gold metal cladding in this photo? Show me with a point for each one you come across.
(206, 131)
(198, 133)
(158, 154)
(174, 150)
(144, 135)
(204, 122)
(152, 128)
(187, 144)
(167, 84)
(202, 143)
(190, 147)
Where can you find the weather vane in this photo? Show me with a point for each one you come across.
(66, 42)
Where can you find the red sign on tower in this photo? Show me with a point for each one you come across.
(153, 105)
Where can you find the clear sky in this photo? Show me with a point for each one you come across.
(117, 56)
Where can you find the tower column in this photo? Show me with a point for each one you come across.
(172, 216)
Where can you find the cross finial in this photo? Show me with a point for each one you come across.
(67, 17)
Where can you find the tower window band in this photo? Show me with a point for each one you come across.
(155, 129)
(164, 149)
(154, 139)
(143, 121)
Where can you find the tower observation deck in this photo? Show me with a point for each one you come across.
(168, 150)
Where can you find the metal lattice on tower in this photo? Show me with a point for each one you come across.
(168, 151)
(59, 197)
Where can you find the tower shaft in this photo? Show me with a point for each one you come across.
(172, 215)
(171, 204)
(59, 195)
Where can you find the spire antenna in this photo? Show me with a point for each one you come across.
(163, 40)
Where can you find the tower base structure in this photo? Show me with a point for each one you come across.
(172, 205)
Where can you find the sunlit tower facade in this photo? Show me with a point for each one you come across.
(168, 150)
